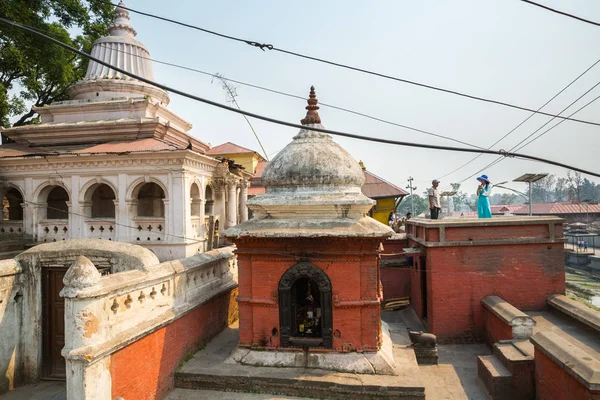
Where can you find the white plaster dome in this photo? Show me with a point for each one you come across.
(119, 49)
(313, 159)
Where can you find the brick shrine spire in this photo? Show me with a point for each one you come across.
(312, 115)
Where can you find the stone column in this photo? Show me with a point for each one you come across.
(86, 209)
(219, 205)
(122, 216)
(243, 199)
(232, 206)
(73, 221)
(178, 217)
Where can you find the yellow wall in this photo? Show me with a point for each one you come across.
(246, 160)
(382, 209)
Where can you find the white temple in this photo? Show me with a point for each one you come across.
(115, 163)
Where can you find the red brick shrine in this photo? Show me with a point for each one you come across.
(309, 258)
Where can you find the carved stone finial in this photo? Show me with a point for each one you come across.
(81, 274)
(312, 115)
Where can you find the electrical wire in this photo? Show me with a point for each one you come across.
(264, 46)
(560, 12)
(293, 125)
(528, 118)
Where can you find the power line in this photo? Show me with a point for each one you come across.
(561, 12)
(527, 119)
(264, 46)
(303, 98)
(293, 125)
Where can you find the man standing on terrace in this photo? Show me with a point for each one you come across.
(434, 199)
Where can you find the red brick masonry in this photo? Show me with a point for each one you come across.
(519, 259)
(554, 382)
(144, 369)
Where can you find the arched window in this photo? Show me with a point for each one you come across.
(57, 207)
(103, 202)
(12, 205)
(210, 201)
(150, 201)
(196, 200)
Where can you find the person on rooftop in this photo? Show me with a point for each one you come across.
(434, 199)
(484, 190)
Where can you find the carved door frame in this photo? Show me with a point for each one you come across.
(305, 270)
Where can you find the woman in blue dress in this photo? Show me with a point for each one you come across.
(484, 190)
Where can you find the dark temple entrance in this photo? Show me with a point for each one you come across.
(305, 315)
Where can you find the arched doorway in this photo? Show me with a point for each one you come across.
(305, 314)
(210, 201)
(53, 218)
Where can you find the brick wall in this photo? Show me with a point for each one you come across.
(351, 266)
(554, 382)
(495, 328)
(144, 369)
(395, 281)
(460, 277)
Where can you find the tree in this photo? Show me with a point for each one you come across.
(405, 206)
(508, 198)
(560, 189)
(541, 191)
(574, 185)
(589, 190)
(40, 71)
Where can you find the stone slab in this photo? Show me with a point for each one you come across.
(208, 370)
(574, 309)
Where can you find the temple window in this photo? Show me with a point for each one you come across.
(103, 202)
(210, 201)
(57, 207)
(150, 201)
(12, 209)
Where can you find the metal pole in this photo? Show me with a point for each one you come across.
(530, 198)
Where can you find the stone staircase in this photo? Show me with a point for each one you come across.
(509, 372)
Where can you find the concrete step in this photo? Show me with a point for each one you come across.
(517, 358)
(495, 377)
(190, 394)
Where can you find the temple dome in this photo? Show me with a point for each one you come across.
(121, 50)
(313, 159)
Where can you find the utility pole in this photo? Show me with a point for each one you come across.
(412, 199)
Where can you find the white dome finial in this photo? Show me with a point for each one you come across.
(121, 25)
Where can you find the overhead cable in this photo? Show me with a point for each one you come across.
(560, 12)
(290, 124)
(263, 46)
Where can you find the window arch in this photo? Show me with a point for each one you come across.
(57, 207)
(210, 200)
(196, 200)
(12, 209)
(103, 201)
(150, 200)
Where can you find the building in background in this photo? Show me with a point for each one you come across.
(115, 163)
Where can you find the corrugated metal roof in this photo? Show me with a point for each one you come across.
(378, 188)
(555, 208)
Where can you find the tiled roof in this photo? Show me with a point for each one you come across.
(130, 146)
(378, 188)
(555, 208)
(229, 148)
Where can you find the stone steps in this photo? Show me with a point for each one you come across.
(315, 389)
(496, 378)
(517, 358)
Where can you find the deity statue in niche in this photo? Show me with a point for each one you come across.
(308, 310)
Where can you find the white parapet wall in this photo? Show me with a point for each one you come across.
(106, 313)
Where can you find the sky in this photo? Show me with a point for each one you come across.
(500, 49)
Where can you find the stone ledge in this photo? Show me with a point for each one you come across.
(495, 221)
(572, 359)
(487, 242)
(521, 323)
(576, 310)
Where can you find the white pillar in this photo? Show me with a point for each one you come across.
(122, 216)
(232, 206)
(179, 212)
(243, 199)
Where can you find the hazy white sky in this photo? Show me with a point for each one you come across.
(500, 49)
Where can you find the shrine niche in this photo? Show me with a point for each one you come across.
(305, 315)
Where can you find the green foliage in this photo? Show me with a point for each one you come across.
(405, 206)
(39, 71)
